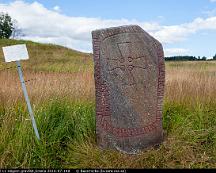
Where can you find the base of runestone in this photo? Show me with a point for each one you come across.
(129, 74)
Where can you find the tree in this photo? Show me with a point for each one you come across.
(204, 58)
(214, 57)
(6, 26)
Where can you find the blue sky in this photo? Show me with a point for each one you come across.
(173, 11)
(185, 27)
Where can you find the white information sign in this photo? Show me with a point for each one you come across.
(15, 53)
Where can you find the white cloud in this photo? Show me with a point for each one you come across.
(212, 0)
(57, 8)
(43, 25)
(176, 51)
(176, 33)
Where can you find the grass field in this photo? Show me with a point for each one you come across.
(61, 89)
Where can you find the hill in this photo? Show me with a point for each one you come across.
(49, 57)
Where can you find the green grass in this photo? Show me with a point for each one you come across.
(67, 132)
(190, 142)
(67, 127)
(59, 123)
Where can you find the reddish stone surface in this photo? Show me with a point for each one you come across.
(129, 81)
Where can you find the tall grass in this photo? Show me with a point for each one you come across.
(46, 86)
(191, 83)
(64, 106)
(59, 123)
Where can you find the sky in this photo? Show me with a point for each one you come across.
(184, 27)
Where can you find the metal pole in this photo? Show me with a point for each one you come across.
(27, 99)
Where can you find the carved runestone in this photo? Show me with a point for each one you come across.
(129, 81)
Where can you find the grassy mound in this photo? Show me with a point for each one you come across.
(49, 58)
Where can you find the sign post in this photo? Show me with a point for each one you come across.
(17, 53)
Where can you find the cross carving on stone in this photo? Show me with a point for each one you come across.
(124, 66)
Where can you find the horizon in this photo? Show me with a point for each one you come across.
(185, 29)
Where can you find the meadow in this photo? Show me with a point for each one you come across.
(60, 84)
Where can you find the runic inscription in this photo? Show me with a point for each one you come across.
(129, 81)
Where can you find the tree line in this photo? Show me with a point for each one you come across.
(188, 58)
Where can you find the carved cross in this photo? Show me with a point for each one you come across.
(123, 67)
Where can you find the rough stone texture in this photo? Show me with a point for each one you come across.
(129, 81)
